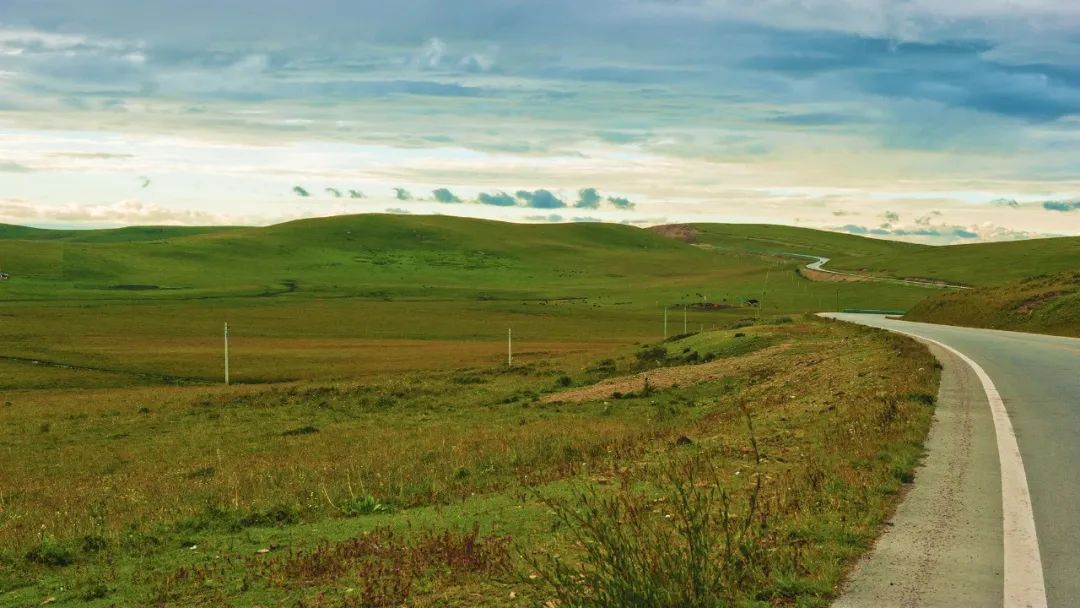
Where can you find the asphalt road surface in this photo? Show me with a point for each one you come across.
(993, 518)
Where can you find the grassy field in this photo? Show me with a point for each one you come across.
(340, 298)
(1048, 304)
(375, 449)
(971, 264)
(272, 495)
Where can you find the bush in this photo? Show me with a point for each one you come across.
(51, 552)
(606, 366)
(651, 355)
(94, 544)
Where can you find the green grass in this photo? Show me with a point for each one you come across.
(340, 298)
(429, 486)
(969, 264)
(376, 449)
(1048, 304)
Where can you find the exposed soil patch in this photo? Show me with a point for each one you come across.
(679, 232)
(665, 377)
(1029, 305)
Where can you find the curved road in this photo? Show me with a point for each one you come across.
(966, 533)
(820, 262)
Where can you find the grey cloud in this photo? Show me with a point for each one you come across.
(402, 194)
(588, 198)
(1064, 206)
(499, 199)
(301, 191)
(621, 203)
(334, 192)
(1005, 202)
(443, 195)
(398, 211)
(540, 199)
(356, 194)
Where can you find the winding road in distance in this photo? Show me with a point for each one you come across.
(993, 518)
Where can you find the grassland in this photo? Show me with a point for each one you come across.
(375, 449)
(971, 264)
(1047, 304)
(207, 496)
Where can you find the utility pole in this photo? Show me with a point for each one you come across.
(764, 292)
(226, 354)
(509, 348)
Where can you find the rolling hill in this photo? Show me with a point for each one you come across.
(970, 264)
(1045, 304)
(390, 256)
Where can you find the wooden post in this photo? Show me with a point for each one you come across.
(226, 354)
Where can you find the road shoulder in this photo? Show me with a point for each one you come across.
(943, 547)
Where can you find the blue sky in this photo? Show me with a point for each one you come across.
(904, 119)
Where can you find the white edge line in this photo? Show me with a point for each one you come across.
(1024, 586)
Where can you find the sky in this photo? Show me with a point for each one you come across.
(928, 121)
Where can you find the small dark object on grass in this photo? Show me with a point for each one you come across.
(684, 440)
(144, 410)
(740, 335)
(304, 430)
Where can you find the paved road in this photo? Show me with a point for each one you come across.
(820, 262)
(959, 539)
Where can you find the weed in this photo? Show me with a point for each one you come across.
(363, 505)
(689, 547)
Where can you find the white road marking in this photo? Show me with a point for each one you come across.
(1024, 583)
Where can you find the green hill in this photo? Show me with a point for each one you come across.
(971, 264)
(1046, 304)
(418, 257)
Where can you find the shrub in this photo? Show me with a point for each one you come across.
(94, 544)
(565, 381)
(605, 366)
(51, 552)
(650, 355)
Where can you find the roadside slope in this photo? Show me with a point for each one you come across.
(1048, 304)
